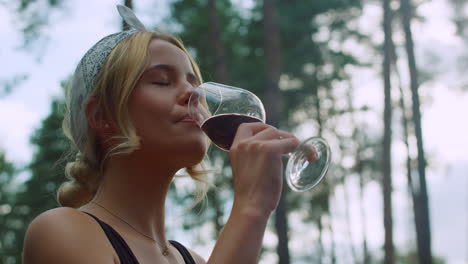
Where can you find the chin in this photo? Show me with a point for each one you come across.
(195, 154)
(188, 154)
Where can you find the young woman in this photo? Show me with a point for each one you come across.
(127, 116)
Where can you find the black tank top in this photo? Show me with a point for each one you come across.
(124, 252)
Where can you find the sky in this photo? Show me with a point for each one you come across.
(82, 23)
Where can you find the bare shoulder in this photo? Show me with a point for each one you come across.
(198, 259)
(65, 235)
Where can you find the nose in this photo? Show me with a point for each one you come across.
(194, 99)
(188, 95)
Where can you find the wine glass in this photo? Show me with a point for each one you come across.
(220, 109)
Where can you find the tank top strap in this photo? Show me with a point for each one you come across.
(183, 251)
(122, 249)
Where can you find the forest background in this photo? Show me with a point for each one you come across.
(382, 81)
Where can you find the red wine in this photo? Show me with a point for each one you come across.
(221, 129)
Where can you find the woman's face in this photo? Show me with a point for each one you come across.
(158, 107)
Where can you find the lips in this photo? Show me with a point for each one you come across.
(189, 119)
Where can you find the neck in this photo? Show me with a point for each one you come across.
(136, 193)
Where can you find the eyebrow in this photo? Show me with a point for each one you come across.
(166, 67)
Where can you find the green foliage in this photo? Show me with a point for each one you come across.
(243, 37)
(7, 237)
(412, 257)
(8, 85)
(312, 64)
(32, 17)
(235, 31)
(37, 194)
(6, 169)
(47, 166)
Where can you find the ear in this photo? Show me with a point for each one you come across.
(96, 117)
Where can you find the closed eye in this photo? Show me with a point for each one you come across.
(161, 83)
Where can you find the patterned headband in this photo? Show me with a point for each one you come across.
(87, 71)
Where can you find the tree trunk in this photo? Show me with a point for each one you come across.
(348, 223)
(423, 230)
(365, 249)
(281, 226)
(333, 244)
(320, 239)
(359, 170)
(272, 47)
(387, 138)
(409, 161)
(405, 121)
(221, 73)
(320, 123)
(221, 76)
(129, 4)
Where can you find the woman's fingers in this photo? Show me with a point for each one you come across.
(284, 145)
(272, 133)
(246, 130)
(266, 137)
(260, 131)
(274, 140)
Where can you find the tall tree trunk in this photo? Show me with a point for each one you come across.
(221, 73)
(423, 230)
(273, 105)
(129, 4)
(409, 161)
(387, 138)
(332, 237)
(365, 249)
(348, 223)
(320, 123)
(359, 170)
(320, 238)
(221, 76)
(405, 121)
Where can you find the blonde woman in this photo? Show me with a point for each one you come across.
(127, 116)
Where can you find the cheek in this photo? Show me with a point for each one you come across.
(149, 113)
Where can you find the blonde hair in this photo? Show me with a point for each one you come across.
(116, 80)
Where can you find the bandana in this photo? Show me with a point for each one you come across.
(87, 72)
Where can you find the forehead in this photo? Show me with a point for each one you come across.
(164, 52)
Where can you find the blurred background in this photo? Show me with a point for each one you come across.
(383, 81)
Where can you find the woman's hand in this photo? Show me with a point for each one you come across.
(257, 167)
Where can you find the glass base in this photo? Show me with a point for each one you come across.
(302, 173)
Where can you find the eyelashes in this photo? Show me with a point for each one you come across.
(161, 83)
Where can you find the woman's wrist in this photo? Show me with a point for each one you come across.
(242, 236)
(251, 211)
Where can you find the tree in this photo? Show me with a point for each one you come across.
(246, 58)
(7, 237)
(421, 203)
(460, 19)
(387, 138)
(7, 86)
(274, 108)
(205, 37)
(412, 256)
(38, 193)
(32, 17)
(221, 75)
(219, 50)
